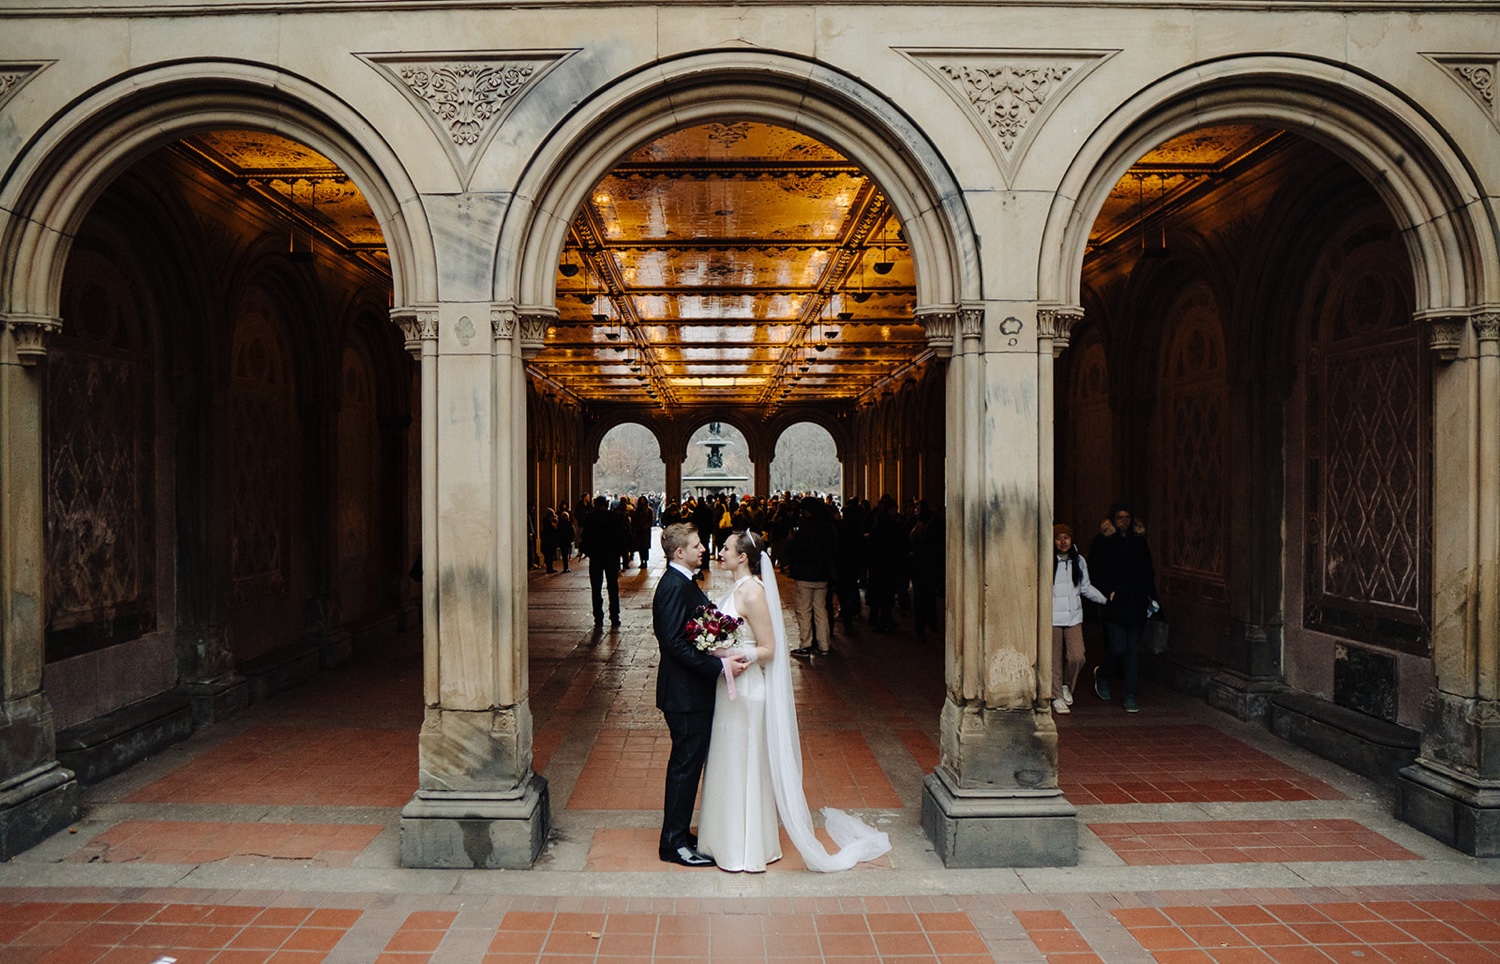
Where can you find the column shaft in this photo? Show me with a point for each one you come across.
(38, 797)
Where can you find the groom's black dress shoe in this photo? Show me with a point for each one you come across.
(687, 857)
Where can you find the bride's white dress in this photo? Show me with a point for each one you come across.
(754, 770)
(737, 825)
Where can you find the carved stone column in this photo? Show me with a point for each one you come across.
(38, 796)
(478, 803)
(993, 800)
(1453, 790)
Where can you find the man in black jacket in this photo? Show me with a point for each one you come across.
(1120, 567)
(685, 687)
(603, 541)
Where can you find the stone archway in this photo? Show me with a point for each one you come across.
(1424, 184)
(50, 189)
(476, 745)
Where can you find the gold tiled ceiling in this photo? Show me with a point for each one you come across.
(732, 262)
(737, 262)
(1171, 174)
(302, 185)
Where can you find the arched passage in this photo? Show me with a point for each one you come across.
(108, 144)
(1352, 398)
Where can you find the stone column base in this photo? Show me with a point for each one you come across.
(1462, 812)
(473, 830)
(987, 828)
(34, 806)
(218, 700)
(1243, 697)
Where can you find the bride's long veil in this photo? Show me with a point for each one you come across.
(857, 841)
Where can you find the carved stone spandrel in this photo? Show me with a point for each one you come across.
(1476, 74)
(13, 76)
(1007, 94)
(464, 97)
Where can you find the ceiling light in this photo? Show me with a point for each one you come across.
(883, 267)
(844, 316)
(833, 332)
(859, 298)
(587, 297)
(821, 346)
(600, 319)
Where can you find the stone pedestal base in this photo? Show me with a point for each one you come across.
(1461, 812)
(1246, 698)
(213, 702)
(472, 830)
(1021, 828)
(34, 806)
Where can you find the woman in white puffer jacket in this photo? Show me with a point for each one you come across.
(1070, 586)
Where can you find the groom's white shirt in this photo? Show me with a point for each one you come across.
(682, 569)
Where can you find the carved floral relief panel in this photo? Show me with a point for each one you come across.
(100, 491)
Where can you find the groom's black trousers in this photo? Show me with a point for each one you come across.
(690, 733)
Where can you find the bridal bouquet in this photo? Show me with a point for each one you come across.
(710, 629)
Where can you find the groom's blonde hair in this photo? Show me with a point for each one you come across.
(677, 536)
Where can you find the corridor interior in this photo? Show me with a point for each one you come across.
(274, 836)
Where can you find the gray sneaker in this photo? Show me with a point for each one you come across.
(1101, 685)
(1131, 706)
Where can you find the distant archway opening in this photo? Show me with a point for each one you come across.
(629, 463)
(807, 462)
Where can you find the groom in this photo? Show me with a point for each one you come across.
(685, 684)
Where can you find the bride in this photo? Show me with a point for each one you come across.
(754, 766)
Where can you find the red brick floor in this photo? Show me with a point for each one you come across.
(1406, 931)
(329, 766)
(1190, 763)
(1246, 841)
(141, 931)
(285, 797)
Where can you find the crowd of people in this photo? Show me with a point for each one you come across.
(849, 560)
(857, 560)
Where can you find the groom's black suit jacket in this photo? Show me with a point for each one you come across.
(686, 677)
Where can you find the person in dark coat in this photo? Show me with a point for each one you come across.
(642, 522)
(929, 556)
(565, 535)
(549, 537)
(810, 552)
(1121, 568)
(603, 541)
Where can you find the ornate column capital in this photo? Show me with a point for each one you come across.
(530, 324)
(29, 335)
(971, 322)
(1486, 324)
(419, 323)
(940, 322)
(1057, 322)
(1445, 332)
